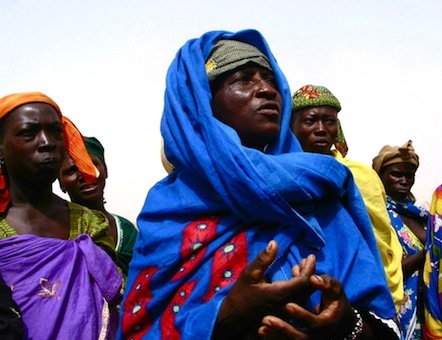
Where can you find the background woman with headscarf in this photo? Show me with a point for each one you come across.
(247, 225)
(397, 166)
(316, 125)
(91, 195)
(50, 256)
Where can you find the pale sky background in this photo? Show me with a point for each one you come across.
(105, 62)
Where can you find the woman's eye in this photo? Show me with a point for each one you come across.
(271, 80)
(27, 133)
(70, 171)
(241, 78)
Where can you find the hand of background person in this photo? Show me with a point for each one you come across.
(252, 297)
(334, 318)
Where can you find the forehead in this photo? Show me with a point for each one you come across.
(401, 167)
(67, 162)
(32, 113)
(252, 67)
(318, 111)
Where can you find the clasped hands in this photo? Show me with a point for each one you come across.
(255, 305)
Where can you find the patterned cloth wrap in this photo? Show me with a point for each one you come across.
(433, 270)
(410, 318)
(64, 284)
(221, 205)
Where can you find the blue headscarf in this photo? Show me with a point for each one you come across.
(223, 202)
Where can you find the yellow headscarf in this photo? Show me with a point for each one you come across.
(74, 142)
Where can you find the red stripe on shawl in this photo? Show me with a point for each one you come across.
(196, 236)
(168, 329)
(136, 320)
(228, 263)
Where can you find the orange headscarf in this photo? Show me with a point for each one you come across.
(74, 142)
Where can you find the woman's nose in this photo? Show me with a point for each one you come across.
(266, 89)
(45, 139)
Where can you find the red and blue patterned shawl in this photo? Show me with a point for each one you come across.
(66, 289)
(203, 223)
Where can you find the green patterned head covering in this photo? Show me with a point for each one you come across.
(228, 55)
(315, 95)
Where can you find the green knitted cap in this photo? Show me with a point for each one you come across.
(314, 95)
(227, 55)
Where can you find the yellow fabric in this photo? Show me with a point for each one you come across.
(166, 164)
(433, 326)
(373, 193)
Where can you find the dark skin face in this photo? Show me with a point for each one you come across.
(32, 143)
(398, 180)
(87, 194)
(249, 101)
(32, 146)
(316, 128)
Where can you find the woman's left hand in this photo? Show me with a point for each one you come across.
(334, 318)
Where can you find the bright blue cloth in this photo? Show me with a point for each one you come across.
(224, 202)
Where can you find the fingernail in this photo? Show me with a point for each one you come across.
(319, 278)
(269, 246)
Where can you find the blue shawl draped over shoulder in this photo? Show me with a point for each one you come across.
(224, 202)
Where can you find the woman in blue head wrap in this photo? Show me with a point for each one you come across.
(248, 235)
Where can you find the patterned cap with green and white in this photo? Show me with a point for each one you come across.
(228, 55)
(314, 95)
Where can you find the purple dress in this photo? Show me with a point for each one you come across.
(64, 288)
